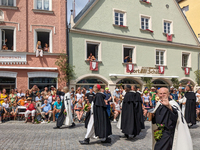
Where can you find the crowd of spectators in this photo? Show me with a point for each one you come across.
(44, 105)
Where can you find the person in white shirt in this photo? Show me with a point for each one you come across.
(78, 96)
(198, 95)
(6, 110)
(20, 94)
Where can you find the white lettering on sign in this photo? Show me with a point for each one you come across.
(146, 70)
(12, 58)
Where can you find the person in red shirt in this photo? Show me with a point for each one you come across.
(30, 109)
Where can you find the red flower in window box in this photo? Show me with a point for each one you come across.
(149, 30)
(122, 26)
(145, 1)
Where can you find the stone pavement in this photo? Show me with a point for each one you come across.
(16, 135)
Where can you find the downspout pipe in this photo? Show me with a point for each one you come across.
(67, 39)
(198, 70)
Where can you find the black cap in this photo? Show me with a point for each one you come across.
(128, 86)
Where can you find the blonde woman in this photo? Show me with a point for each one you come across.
(39, 51)
(99, 123)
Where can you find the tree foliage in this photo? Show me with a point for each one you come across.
(67, 71)
(175, 82)
(148, 81)
(197, 79)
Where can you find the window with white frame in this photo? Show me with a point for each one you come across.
(8, 2)
(167, 26)
(128, 54)
(43, 4)
(7, 39)
(92, 51)
(185, 59)
(44, 38)
(145, 23)
(160, 57)
(120, 18)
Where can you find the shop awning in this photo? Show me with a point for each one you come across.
(140, 75)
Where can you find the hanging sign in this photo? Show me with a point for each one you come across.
(93, 65)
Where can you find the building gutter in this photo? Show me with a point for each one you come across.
(139, 75)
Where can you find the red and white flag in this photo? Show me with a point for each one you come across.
(187, 71)
(161, 69)
(169, 37)
(93, 65)
(129, 68)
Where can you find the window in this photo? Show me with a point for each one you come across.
(90, 82)
(185, 60)
(7, 40)
(8, 2)
(160, 57)
(1, 15)
(42, 82)
(119, 18)
(167, 27)
(185, 9)
(93, 51)
(128, 53)
(7, 83)
(45, 37)
(43, 4)
(145, 23)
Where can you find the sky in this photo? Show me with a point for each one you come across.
(79, 6)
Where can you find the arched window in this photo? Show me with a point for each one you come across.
(90, 82)
(123, 82)
(160, 83)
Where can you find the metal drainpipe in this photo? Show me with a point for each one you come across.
(198, 69)
(67, 39)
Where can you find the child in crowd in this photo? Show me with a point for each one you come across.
(22, 101)
(14, 110)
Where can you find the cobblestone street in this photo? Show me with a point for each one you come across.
(18, 136)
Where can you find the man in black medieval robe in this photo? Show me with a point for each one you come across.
(190, 107)
(99, 123)
(166, 115)
(130, 119)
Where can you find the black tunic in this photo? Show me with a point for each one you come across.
(102, 124)
(190, 110)
(165, 116)
(140, 110)
(87, 117)
(130, 121)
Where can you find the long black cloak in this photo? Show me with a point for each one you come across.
(102, 124)
(140, 116)
(164, 115)
(190, 110)
(130, 123)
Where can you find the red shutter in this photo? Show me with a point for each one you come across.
(161, 69)
(93, 65)
(169, 37)
(187, 71)
(129, 68)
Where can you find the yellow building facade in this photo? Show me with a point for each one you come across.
(191, 9)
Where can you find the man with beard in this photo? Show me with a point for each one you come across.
(175, 133)
(130, 117)
(99, 123)
(66, 108)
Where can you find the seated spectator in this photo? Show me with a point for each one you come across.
(45, 92)
(38, 101)
(89, 57)
(27, 93)
(1, 112)
(22, 101)
(14, 110)
(3, 96)
(20, 94)
(54, 96)
(116, 94)
(39, 51)
(12, 97)
(126, 59)
(49, 98)
(79, 109)
(46, 48)
(146, 99)
(30, 109)
(57, 108)
(6, 109)
(46, 111)
(116, 108)
(33, 93)
(79, 95)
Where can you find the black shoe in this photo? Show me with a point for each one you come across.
(73, 125)
(56, 127)
(85, 141)
(124, 136)
(108, 140)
